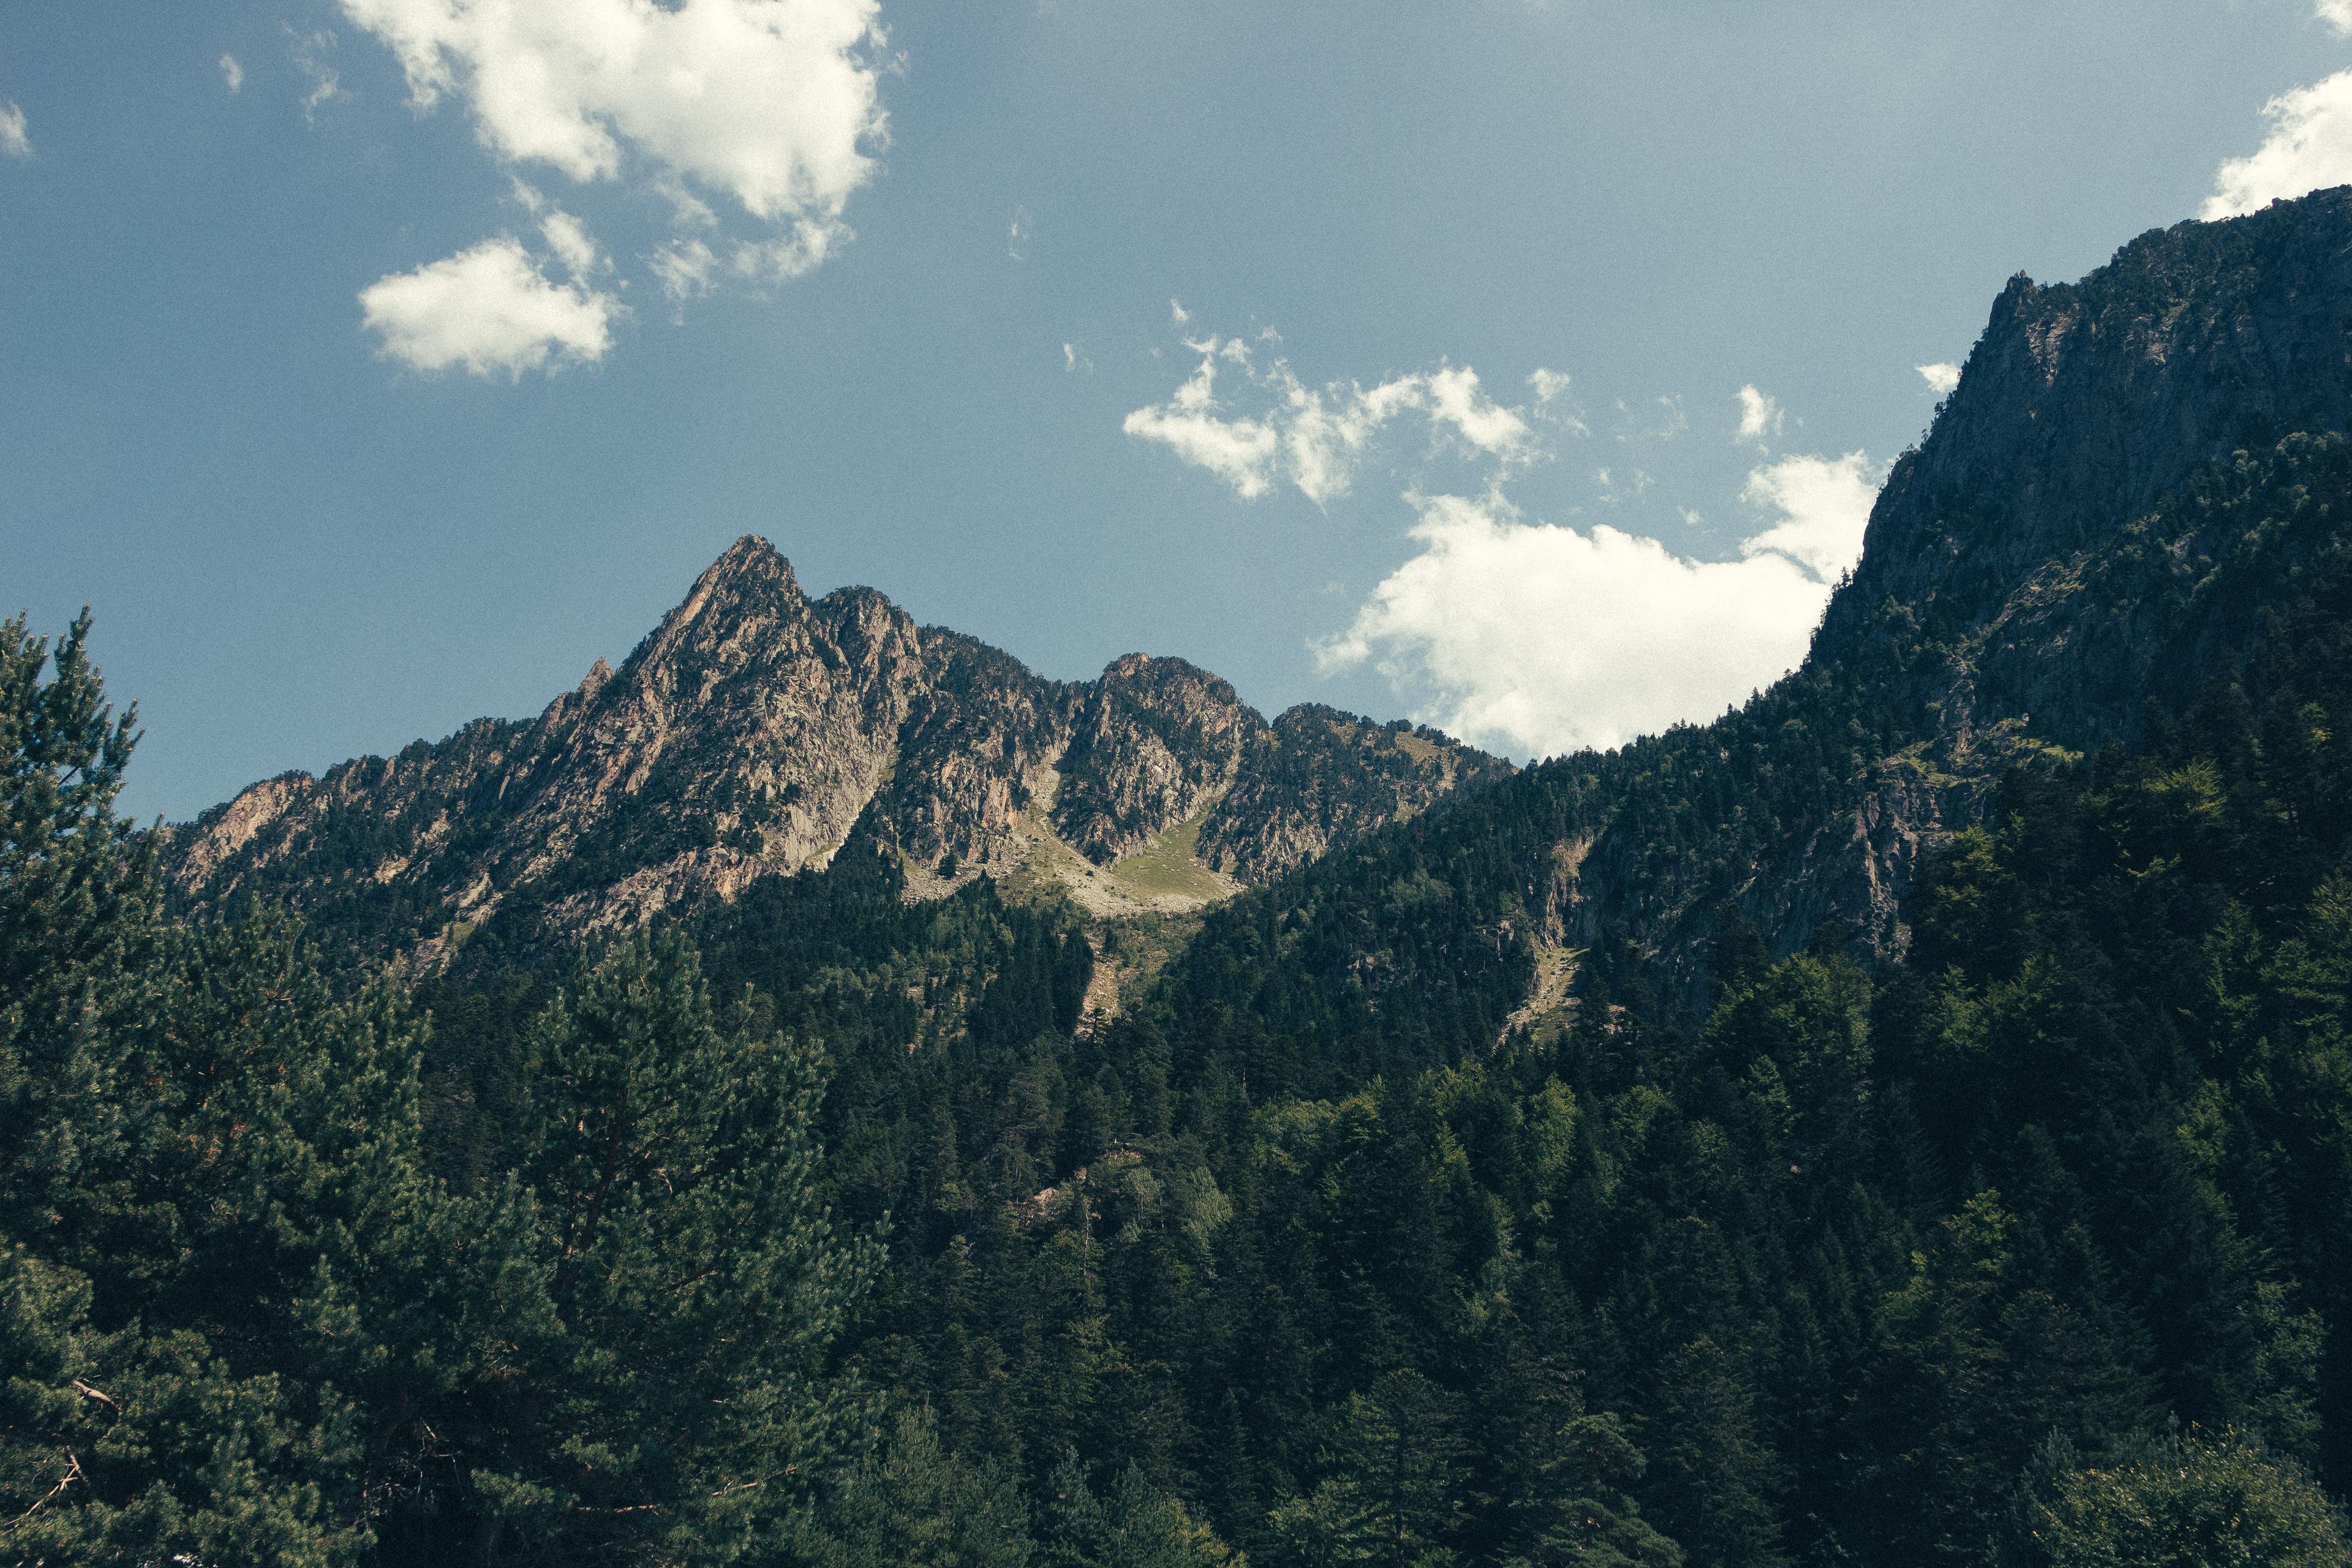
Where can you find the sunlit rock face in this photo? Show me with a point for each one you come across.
(756, 730)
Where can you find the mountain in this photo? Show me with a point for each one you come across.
(2108, 506)
(756, 730)
(1905, 1120)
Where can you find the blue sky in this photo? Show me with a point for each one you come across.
(373, 364)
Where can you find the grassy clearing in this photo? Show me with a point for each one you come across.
(1168, 867)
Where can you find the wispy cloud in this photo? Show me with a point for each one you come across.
(1760, 417)
(1277, 429)
(14, 141)
(231, 72)
(310, 52)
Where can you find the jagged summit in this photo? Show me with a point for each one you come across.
(755, 729)
(2084, 403)
(751, 560)
(2023, 585)
(2068, 551)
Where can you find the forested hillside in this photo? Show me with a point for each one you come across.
(1907, 1120)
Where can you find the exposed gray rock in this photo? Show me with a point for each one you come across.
(752, 733)
(1320, 778)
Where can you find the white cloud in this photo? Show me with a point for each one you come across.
(1944, 375)
(1760, 417)
(231, 72)
(772, 102)
(2309, 147)
(1241, 452)
(1072, 359)
(1312, 436)
(1016, 233)
(490, 310)
(1823, 504)
(569, 238)
(2337, 13)
(14, 143)
(1177, 314)
(1539, 639)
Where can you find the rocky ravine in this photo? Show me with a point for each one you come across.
(756, 728)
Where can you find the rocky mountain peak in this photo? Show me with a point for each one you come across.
(2084, 403)
(749, 565)
(1155, 740)
(2057, 540)
(755, 730)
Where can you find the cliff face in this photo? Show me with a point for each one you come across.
(2084, 404)
(2056, 545)
(753, 732)
(1151, 741)
(1323, 778)
(2128, 480)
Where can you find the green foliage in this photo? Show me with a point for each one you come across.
(1132, 1526)
(910, 1504)
(2180, 1501)
(77, 925)
(1308, 1255)
(1392, 1491)
(246, 1321)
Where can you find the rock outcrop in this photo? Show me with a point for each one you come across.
(2050, 544)
(2117, 494)
(756, 729)
(1322, 778)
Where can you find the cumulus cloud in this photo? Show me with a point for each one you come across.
(231, 72)
(1822, 504)
(772, 103)
(1537, 639)
(490, 310)
(1312, 436)
(2337, 13)
(1943, 376)
(2309, 147)
(14, 143)
(1760, 417)
(753, 120)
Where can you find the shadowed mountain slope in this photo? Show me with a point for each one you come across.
(2133, 472)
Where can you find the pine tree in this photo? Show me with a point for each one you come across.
(667, 1394)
